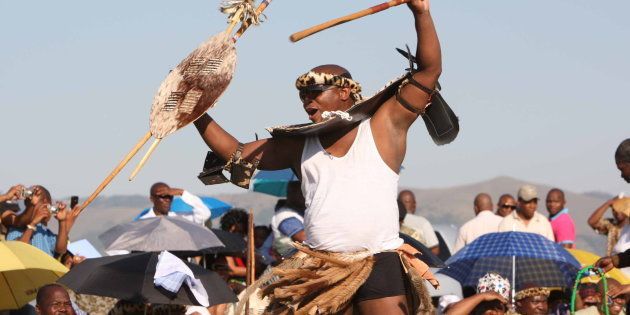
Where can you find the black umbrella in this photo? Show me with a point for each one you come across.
(130, 278)
(427, 256)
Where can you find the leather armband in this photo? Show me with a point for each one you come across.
(406, 104)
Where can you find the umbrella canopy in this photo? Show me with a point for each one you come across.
(538, 261)
(233, 245)
(216, 206)
(587, 258)
(130, 277)
(158, 234)
(24, 268)
(273, 182)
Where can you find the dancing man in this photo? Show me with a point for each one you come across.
(349, 180)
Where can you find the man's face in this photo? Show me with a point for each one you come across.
(55, 303)
(616, 304)
(161, 199)
(533, 305)
(319, 99)
(491, 308)
(409, 201)
(624, 168)
(506, 206)
(555, 202)
(528, 208)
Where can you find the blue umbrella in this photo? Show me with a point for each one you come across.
(217, 207)
(535, 260)
(273, 182)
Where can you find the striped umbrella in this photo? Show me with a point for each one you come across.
(526, 258)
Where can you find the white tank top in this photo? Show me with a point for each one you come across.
(350, 200)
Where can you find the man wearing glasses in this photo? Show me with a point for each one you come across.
(506, 205)
(162, 197)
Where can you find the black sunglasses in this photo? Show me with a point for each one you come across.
(164, 196)
(508, 206)
(312, 91)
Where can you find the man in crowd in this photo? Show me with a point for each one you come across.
(419, 223)
(162, 197)
(484, 222)
(506, 205)
(532, 300)
(526, 218)
(561, 222)
(615, 298)
(287, 222)
(53, 299)
(31, 226)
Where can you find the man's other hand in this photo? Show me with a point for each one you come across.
(607, 263)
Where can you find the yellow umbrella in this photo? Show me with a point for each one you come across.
(587, 258)
(23, 269)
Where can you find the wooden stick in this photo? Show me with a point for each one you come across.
(318, 28)
(263, 5)
(251, 256)
(235, 20)
(116, 170)
(144, 159)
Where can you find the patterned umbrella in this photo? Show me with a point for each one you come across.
(536, 260)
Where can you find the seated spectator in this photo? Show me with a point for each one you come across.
(532, 300)
(31, 225)
(287, 222)
(561, 222)
(493, 293)
(162, 196)
(419, 223)
(615, 298)
(53, 299)
(506, 205)
(484, 222)
(526, 218)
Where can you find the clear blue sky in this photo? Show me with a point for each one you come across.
(540, 87)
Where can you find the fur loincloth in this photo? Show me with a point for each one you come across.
(316, 282)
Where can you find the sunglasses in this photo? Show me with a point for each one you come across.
(313, 91)
(508, 206)
(170, 197)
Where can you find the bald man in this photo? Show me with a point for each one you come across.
(349, 174)
(422, 226)
(484, 222)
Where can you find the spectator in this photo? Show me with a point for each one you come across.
(402, 213)
(418, 222)
(493, 293)
(287, 222)
(53, 299)
(589, 296)
(37, 215)
(526, 218)
(162, 197)
(506, 205)
(611, 227)
(236, 221)
(561, 222)
(484, 222)
(621, 253)
(8, 208)
(615, 297)
(532, 300)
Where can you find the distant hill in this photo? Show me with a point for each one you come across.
(451, 205)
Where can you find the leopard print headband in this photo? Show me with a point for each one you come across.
(314, 78)
(530, 293)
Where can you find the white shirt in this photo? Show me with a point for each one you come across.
(424, 227)
(201, 213)
(485, 222)
(350, 200)
(622, 245)
(539, 224)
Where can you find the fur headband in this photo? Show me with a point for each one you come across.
(315, 78)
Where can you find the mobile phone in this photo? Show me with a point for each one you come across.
(74, 200)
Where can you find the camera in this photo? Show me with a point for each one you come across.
(26, 193)
(52, 209)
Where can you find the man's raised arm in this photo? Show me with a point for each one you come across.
(273, 154)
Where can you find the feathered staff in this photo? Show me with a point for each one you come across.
(194, 85)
